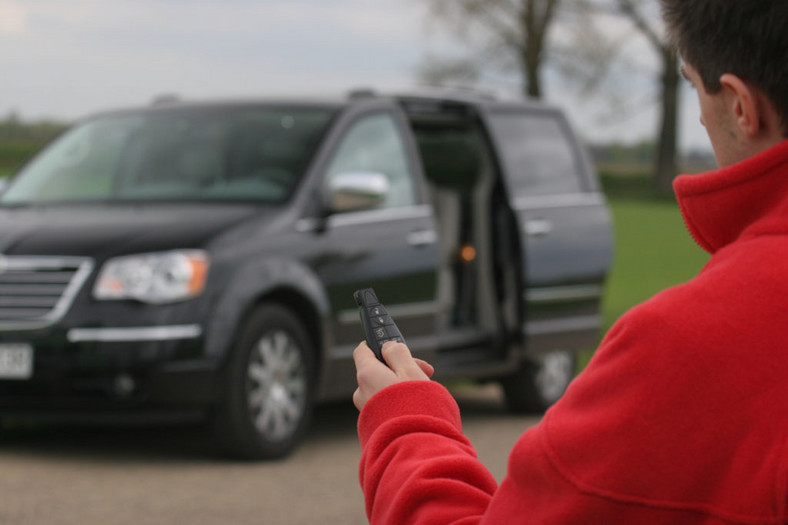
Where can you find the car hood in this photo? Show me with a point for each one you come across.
(102, 231)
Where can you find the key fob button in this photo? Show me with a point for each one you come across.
(382, 320)
(379, 327)
(377, 311)
(395, 339)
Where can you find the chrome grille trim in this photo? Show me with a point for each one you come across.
(135, 334)
(37, 291)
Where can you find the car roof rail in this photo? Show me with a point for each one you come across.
(164, 99)
(460, 90)
(358, 93)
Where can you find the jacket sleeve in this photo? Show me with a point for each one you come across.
(614, 449)
(416, 465)
(418, 468)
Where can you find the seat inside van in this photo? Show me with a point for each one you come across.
(459, 171)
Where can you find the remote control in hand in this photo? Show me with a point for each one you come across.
(378, 326)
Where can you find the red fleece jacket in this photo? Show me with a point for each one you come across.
(681, 416)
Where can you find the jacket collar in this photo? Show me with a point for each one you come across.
(730, 203)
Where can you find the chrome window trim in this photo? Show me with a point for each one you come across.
(83, 265)
(559, 200)
(139, 333)
(367, 216)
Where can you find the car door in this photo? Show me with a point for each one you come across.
(390, 248)
(563, 222)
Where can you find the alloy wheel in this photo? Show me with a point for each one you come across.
(276, 385)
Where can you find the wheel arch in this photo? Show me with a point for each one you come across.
(304, 308)
(282, 281)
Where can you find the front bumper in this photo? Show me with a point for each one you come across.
(115, 371)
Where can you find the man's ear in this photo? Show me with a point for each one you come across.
(744, 104)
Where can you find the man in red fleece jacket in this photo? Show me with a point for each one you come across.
(682, 414)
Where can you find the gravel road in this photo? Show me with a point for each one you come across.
(69, 475)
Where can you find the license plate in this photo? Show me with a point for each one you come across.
(16, 361)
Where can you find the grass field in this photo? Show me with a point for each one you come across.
(653, 251)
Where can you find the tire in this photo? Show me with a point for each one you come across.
(269, 390)
(539, 382)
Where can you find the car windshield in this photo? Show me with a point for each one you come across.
(225, 153)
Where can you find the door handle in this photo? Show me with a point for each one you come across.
(422, 238)
(538, 227)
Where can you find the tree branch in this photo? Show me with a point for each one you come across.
(629, 9)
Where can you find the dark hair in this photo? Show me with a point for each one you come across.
(748, 38)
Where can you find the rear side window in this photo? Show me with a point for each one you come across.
(537, 153)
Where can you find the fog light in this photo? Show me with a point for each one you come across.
(124, 385)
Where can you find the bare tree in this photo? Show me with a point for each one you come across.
(597, 64)
(510, 31)
(665, 162)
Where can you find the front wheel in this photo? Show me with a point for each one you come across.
(270, 382)
(539, 382)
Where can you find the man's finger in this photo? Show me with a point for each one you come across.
(362, 354)
(358, 399)
(400, 360)
(425, 366)
(396, 355)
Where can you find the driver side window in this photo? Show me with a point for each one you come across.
(374, 144)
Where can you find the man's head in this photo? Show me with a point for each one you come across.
(735, 53)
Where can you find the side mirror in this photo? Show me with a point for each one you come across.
(358, 190)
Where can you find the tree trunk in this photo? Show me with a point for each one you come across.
(665, 167)
(531, 49)
(533, 84)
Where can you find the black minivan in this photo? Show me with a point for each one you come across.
(200, 259)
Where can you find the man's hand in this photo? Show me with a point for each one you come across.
(373, 376)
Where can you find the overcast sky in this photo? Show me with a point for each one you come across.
(67, 58)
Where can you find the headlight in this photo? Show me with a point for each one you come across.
(153, 277)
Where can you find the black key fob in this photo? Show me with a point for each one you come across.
(378, 326)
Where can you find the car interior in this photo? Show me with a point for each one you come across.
(475, 226)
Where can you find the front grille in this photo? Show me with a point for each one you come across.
(35, 292)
